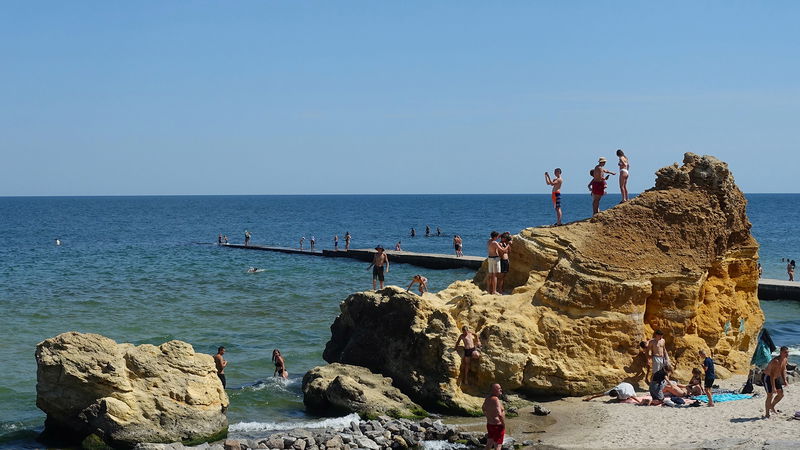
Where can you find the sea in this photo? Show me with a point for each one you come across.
(147, 270)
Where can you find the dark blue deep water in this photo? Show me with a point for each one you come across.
(131, 268)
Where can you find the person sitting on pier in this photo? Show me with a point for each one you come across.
(422, 281)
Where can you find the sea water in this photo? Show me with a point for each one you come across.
(144, 270)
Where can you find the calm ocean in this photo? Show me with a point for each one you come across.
(131, 268)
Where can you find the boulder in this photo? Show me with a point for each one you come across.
(679, 258)
(341, 388)
(88, 385)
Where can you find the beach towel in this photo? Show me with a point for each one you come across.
(723, 397)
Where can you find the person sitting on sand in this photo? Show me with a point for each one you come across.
(280, 364)
(660, 380)
(695, 386)
(620, 392)
(472, 345)
(422, 281)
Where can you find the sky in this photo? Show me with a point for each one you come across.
(376, 97)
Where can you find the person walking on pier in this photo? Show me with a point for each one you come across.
(347, 238)
(790, 270)
(246, 238)
(302, 239)
(495, 418)
(494, 251)
(556, 194)
(313, 242)
(336, 242)
(380, 260)
(220, 362)
(458, 245)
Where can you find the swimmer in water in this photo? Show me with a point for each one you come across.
(58, 241)
(253, 270)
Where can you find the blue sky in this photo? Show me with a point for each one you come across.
(268, 97)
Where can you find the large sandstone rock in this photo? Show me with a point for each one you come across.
(125, 394)
(679, 258)
(342, 388)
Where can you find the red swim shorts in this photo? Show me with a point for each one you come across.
(496, 432)
(598, 187)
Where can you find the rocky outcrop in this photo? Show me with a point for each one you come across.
(341, 388)
(92, 387)
(679, 258)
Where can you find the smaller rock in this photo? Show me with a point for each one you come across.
(540, 410)
(334, 442)
(231, 444)
(399, 442)
(275, 441)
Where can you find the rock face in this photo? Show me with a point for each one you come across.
(343, 388)
(679, 258)
(125, 394)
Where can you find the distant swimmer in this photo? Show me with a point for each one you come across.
(438, 231)
(422, 281)
(598, 184)
(220, 362)
(247, 236)
(458, 245)
(624, 166)
(413, 232)
(495, 419)
(58, 241)
(347, 238)
(280, 365)
(397, 247)
(254, 270)
(380, 260)
(556, 194)
(427, 230)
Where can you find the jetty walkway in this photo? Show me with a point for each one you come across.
(768, 288)
(426, 260)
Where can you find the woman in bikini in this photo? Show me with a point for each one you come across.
(623, 174)
(280, 364)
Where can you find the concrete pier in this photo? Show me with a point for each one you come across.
(771, 289)
(427, 260)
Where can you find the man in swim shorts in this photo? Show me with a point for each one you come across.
(505, 264)
(657, 351)
(774, 380)
(598, 184)
(494, 250)
(220, 362)
(556, 195)
(378, 261)
(457, 245)
(472, 345)
(495, 418)
(422, 281)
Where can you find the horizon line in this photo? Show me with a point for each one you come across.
(327, 194)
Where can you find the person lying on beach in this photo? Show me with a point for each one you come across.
(422, 281)
(620, 392)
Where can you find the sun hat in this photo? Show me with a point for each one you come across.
(601, 160)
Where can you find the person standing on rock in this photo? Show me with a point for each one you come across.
(624, 165)
(494, 251)
(472, 345)
(774, 379)
(556, 195)
(220, 362)
(657, 351)
(505, 246)
(422, 281)
(378, 261)
(495, 418)
(598, 184)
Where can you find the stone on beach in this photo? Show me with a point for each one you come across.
(679, 258)
(88, 384)
(343, 388)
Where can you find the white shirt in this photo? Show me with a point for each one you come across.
(624, 391)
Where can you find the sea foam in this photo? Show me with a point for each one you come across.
(337, 422)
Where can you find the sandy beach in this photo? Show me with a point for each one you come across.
(602, 424)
